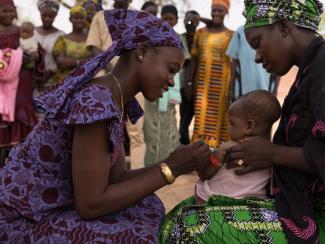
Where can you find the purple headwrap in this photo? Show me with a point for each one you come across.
(128, 29)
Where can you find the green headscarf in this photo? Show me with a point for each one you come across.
(304, 13)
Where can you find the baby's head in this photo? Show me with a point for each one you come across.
(27, 30)
(253, 115)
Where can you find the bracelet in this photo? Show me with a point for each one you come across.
(168, 174)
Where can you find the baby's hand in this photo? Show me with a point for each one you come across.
(207, 171)
(216, 156)
(224, 147)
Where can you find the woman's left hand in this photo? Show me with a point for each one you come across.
(253, 153)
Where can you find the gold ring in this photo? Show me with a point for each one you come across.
(240, 162)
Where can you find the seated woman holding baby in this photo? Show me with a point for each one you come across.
(231, 202)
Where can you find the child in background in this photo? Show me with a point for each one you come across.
(251, 115)
(150, 7)
(27, 41)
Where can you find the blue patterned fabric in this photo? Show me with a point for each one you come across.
(36, 188)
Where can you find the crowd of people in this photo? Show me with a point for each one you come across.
(67, 99)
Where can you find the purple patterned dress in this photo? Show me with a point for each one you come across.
(36, 192)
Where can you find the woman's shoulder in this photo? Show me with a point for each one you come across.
(11, 30)
(55, 32)
(90, 104)
(202, 30)
(230, 32)
(75, 39)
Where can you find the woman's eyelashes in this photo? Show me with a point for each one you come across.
(256, 43)
(173, 70)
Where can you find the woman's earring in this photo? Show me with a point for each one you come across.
(284, 34)
(140, 57)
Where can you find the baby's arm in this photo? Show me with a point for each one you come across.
(207, 171)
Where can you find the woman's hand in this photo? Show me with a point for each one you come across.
(253, 153)
(188, 158)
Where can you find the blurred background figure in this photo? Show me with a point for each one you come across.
(247, 75)
(17, 116)
(122, 4)
(160, 125)
(150, 7)
(70, 50)
(46, 35)
(210, 73)
(91, 8)
(191, 22)
(27, 41)
(99, 40)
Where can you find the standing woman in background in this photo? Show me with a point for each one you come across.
(16, 88)
(70, 50)
(46, 35)
(210, 73)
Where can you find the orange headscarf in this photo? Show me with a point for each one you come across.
(224, 3)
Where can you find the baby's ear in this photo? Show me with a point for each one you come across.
(251, 126)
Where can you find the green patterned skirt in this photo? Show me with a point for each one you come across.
(223, 220)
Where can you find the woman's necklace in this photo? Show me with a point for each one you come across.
(121, 96)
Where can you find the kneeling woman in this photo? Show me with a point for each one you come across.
(68, 183)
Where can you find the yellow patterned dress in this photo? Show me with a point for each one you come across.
(211, 86)
(72, 49)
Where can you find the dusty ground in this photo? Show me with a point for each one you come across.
(184, 185)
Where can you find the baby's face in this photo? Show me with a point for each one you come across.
(238, 123)
(26, 32)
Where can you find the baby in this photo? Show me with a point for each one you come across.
(27, 41)
(251, 115)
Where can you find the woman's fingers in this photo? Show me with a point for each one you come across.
(244, 170)
(197, 144)
(202, 149)
(234, 156)
(236, 148)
